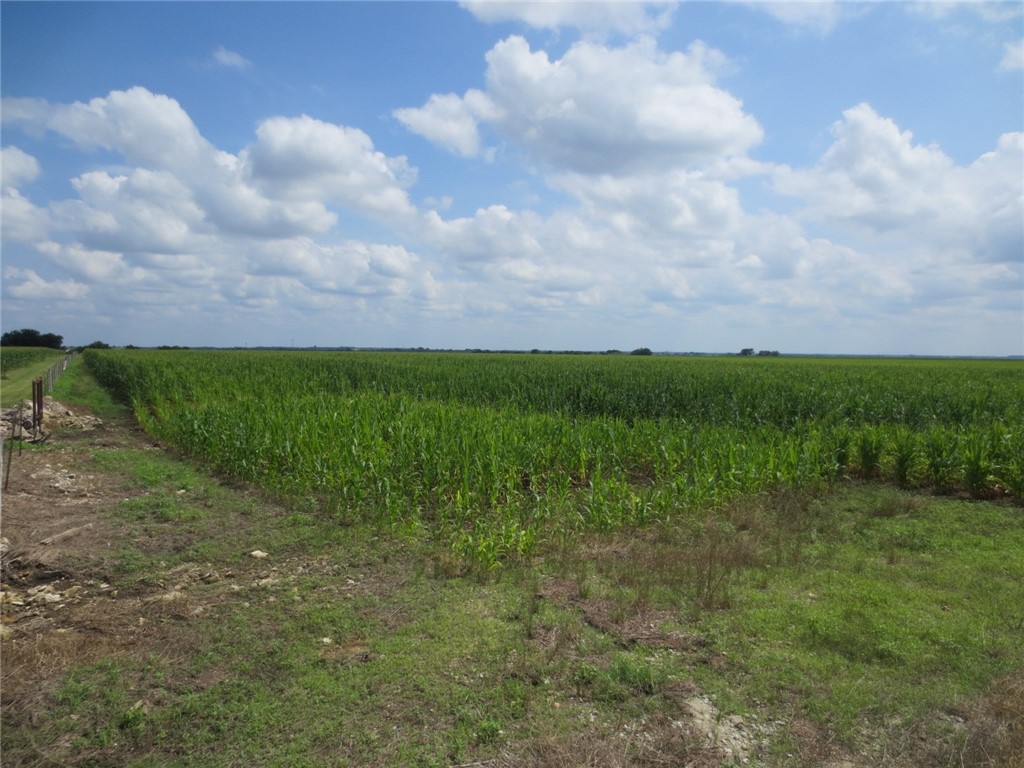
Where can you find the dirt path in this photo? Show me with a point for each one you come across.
(65, 600)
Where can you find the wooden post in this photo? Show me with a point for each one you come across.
(37, 404)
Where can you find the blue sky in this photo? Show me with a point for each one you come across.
(810, 177)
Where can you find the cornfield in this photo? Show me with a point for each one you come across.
(497, 452)
(13, 358)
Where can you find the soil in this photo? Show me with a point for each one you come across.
(62, 603)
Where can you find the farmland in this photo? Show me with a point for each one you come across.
(495, 453)
(356, 559)
(18, 366)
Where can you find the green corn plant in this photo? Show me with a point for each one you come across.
(905, 453)
(870, 445)
(976, 464)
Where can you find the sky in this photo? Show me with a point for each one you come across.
(807, 177)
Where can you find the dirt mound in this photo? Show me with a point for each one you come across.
(16, 421)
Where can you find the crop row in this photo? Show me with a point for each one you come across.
(494, 478)
(780, 392)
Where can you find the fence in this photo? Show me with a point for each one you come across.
(43, 385)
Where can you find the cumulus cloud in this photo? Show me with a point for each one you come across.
(873, 173)
(307, 159)
(877, 179)
(279, 185)
(674, 204)
(629, 18)
(27, 284)
(148, 129)
(174, 212)
(17, 168)
(22, 222)
(598, 109)
(450, 121)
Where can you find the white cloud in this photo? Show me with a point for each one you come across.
(599, 109)
(629, 18)
(17, 168)
(22, 221)
(278, 186)
(176, 223)
(875, 178)
(492, 234)
(1014, 57)
(225, 58)
(450, 121)
(354, 268)
(873, 173)
(29, 285)
(148, 129)
(674, 204)
(304, 159)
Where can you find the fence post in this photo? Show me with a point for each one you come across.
(37, 404)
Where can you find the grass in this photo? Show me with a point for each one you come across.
(861, 622)
(28, 364)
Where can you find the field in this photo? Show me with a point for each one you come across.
(529, 560)
(497, 452)
(18, 366)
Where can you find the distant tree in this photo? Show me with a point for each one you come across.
(98, 345)
(747, 352)
(768, 353)
(641, 351)
(29, 337)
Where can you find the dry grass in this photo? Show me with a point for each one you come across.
(647, 745)
(995, 727)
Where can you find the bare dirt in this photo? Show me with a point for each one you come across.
(62, 602)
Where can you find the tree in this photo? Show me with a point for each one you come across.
(29, 337)
(641, 351)
(747, 352)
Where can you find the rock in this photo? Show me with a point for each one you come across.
(141, 705)
(45, 598)
(259, 554)
(171, 597)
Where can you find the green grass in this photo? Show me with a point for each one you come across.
(906, 606)
(20, 366)
(77, 386)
